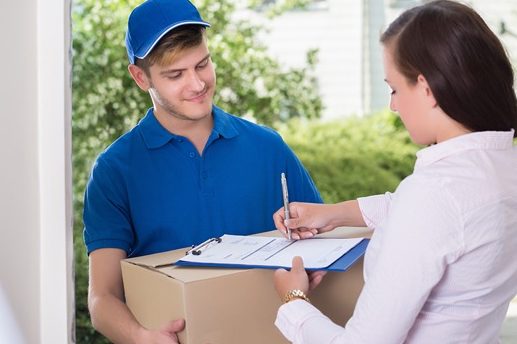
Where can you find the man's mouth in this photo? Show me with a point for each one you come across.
(199, 97)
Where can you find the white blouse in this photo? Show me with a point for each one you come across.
(441, 264)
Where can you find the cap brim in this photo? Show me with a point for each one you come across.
(143, 54)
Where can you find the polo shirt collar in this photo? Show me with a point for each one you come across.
(223, 124)
(481, 140)
(155, 135)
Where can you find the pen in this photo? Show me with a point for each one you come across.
(285, 195)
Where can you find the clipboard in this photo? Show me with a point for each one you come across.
(202, 256)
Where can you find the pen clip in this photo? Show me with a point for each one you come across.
(196, 250)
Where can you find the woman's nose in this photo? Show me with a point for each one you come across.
(392, 105)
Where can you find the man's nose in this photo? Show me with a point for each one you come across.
(196, 83)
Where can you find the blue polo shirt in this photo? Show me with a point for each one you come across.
(151, 191)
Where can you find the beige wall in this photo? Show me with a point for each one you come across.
(35, 216)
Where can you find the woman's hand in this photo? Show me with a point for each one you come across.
(315, 278)
(297, 278)
(307, 219)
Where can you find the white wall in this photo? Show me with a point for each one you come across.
(35, 197)
(375, 91)
(496, 11)
(337, 32)
(347, 32)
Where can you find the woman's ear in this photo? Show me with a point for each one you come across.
(140, 77)
(426, 90)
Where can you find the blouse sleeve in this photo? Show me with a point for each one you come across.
(375, 209)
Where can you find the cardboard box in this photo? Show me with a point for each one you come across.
(226, 306)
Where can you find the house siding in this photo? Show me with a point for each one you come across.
(346, 32)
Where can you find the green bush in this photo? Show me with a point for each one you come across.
(353, 157)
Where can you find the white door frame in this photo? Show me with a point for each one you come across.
(55, 171)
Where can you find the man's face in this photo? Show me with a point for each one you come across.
(185, 88)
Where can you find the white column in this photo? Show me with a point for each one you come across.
(54, 142)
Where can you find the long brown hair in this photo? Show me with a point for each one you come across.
(462, 60)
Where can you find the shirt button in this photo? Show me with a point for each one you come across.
(192, 154)
(204, 174)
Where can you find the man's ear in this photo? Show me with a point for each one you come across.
(140, 77)
(428, 93)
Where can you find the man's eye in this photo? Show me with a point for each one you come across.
(203, 64)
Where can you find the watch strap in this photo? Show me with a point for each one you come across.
(295, 294)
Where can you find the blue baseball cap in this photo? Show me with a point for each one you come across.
(152, 19)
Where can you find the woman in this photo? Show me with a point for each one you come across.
(440, 266)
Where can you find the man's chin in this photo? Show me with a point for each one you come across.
(201, 112)
(199, 116)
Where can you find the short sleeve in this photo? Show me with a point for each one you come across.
(375, 209)
(107, 222)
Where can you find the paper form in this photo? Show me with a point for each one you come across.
(317, 253)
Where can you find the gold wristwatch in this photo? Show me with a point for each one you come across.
(295, 294)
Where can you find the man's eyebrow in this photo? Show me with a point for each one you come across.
(169, 71)
(204, 58)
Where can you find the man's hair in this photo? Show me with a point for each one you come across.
(171, 45)
(462, 60)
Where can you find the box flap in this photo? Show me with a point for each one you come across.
(189, 274)
(158, 259)
(163, 263)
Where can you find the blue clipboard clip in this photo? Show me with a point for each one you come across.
(197, 250)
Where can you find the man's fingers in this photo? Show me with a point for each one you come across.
(175, 326)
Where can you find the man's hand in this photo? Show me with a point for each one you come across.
(110, 315)
(165, 335)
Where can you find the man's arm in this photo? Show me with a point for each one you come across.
(109, 313)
